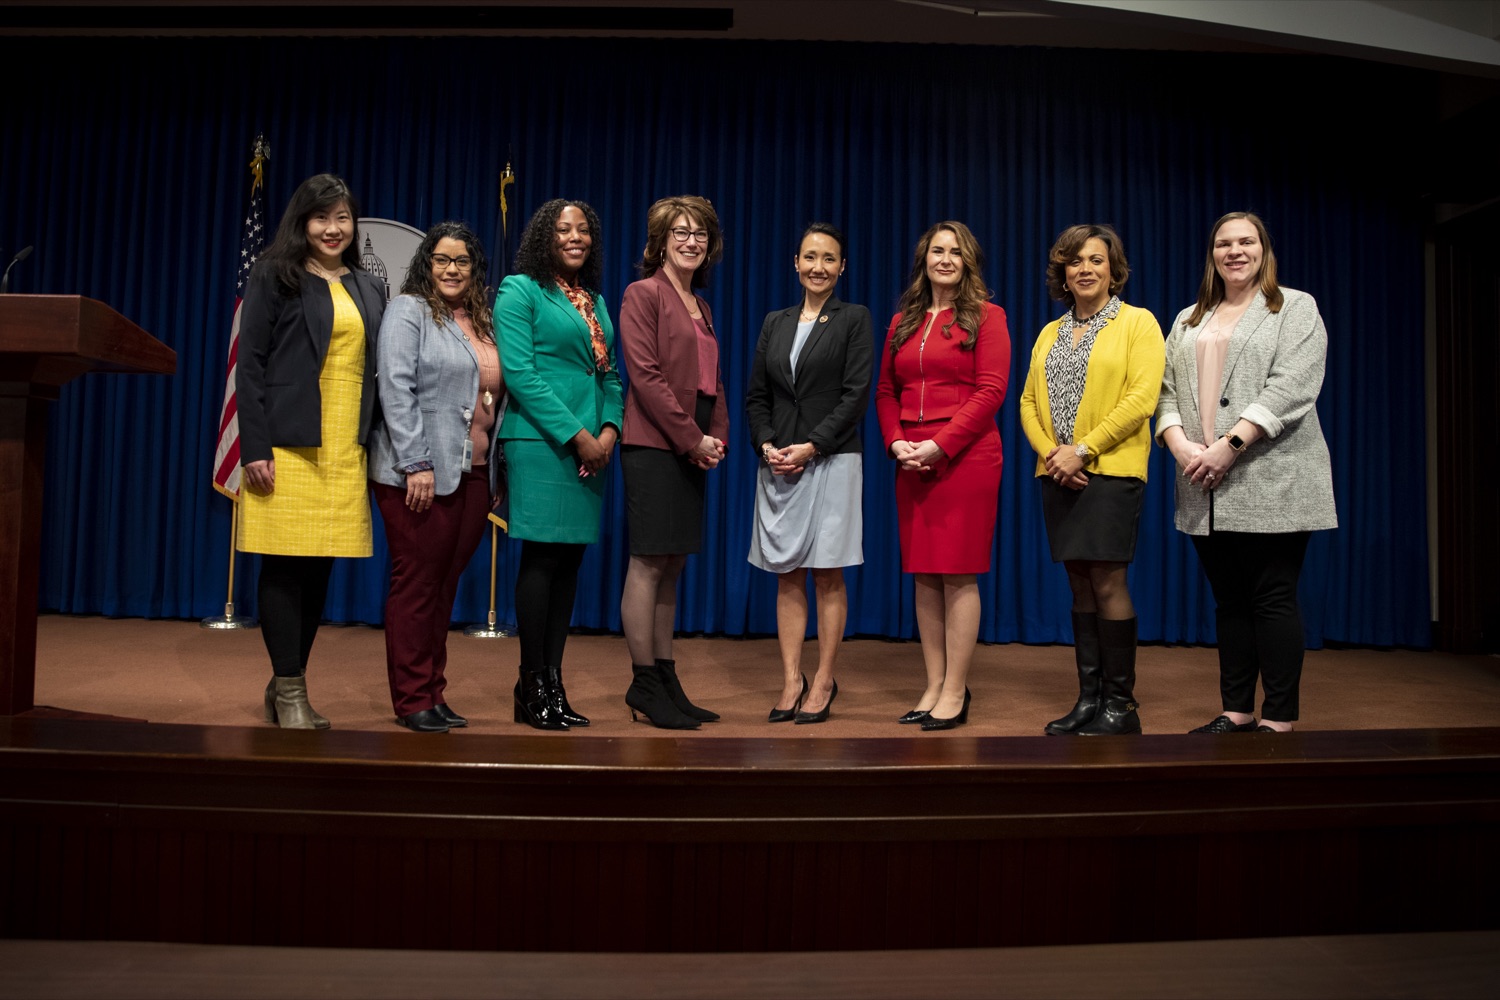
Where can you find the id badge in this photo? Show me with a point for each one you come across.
(468, 462)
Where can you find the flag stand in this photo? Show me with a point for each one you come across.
(229, 619)
(490, 630)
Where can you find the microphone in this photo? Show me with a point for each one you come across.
(21, 255)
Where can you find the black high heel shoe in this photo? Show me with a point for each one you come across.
(808, 718)
(914, 716)
(534, 703)
(933, 723)
(788, 714)
(558, 697)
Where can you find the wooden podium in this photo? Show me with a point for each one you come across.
(45, 341)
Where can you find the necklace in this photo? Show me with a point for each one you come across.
(323, 272)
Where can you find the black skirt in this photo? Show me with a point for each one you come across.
(1095, 524)
(664, 495)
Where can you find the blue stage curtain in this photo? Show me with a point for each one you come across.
(133, 193)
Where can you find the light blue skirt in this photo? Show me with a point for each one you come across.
(814, 519)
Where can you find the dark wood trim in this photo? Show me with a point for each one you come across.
(352, 839)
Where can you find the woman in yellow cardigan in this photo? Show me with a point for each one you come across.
(1095, 375)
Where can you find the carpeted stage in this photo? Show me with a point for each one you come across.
(205, 825)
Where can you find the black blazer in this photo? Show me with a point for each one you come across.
(283, 341)
(827, 400)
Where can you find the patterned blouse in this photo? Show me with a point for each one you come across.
(584, 303)
(1068, 367)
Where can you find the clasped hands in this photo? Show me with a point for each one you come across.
(916, 457)
(789, 460)
(1066, 467)
(593, 452)
(707, 453)
(1207, 466)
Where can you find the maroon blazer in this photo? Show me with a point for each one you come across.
(660, 345)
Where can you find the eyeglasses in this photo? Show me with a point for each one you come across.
(442, 260)
(683, 235)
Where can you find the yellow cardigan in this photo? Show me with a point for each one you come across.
(1119, 395)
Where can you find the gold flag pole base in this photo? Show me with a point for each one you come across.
(490, 630)
(229, 620)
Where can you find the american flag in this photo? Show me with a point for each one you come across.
(227, 453)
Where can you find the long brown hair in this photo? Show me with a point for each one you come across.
(968, 302)
(659, 219)
(476, 300)
(1211, 289)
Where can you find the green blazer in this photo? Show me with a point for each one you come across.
(548, 356)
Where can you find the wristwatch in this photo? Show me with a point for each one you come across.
(1236, 442)
(1082, 451)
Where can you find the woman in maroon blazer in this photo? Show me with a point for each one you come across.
(676, 421)
(941, 384)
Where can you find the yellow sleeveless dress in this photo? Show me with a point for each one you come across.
(320, 506)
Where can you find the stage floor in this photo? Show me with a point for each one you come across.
(177, 672)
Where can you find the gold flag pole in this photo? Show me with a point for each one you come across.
(490, 630)
(229, 619)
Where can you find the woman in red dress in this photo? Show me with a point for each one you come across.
(941, 385)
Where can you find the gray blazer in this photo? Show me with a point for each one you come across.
(428, 379)
(1272, 375)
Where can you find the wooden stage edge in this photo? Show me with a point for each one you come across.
(230, 835)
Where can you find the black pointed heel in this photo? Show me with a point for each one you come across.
(932, 723)
(788, 714)
(809, 718)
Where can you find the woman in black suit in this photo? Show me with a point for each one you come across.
(305, 382)
(808, 389)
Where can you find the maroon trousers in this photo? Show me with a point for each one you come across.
(428, 554)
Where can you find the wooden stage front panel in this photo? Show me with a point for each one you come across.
(357, 839)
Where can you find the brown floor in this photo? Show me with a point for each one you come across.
(1388, 965)
(169, 671)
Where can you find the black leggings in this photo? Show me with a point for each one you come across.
(545, 587)
(1254, 580)
(291, 593)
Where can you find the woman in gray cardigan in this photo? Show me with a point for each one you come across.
(431, 459)
(1238, 412)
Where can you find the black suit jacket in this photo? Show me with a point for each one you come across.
(826, 400)
(283, 341)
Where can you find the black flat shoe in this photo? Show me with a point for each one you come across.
(454, 720)
(1223, 724)
(932, 723)
(788, 714)
(809, 718)
(426, 721)
(914, 716)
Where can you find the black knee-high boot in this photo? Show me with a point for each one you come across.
(1086, 653)
(1117, 708)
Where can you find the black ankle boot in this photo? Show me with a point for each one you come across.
(648, 696)
(1086, 653)
(668, 670)
(534, 702)
(1117, 709)
(558, 698)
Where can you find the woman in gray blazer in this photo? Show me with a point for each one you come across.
(1238, 411)
(431, 459)
(809, 386)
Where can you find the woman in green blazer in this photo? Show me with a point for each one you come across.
(560, 426)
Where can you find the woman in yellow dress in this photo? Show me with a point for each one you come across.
(305, 385)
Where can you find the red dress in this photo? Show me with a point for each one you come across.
(950, 395)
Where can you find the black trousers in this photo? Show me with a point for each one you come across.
(290, 595)
(1254, 580)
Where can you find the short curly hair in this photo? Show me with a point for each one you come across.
(659, 219)
(1066, 250)
(536, 256)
